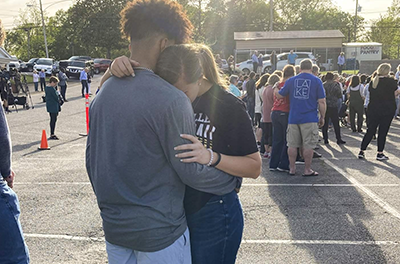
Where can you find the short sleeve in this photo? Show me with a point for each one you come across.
(242, 141)
(286, 88)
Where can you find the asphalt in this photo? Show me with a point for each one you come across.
(348, 214)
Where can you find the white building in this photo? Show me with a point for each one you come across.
(5, 58)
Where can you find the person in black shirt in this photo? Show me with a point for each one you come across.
(251, 95)
(381, 107)
(223, 128)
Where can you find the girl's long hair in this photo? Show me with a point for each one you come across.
(210, 68)
(179, 60)
(262, 81)
(383, 70)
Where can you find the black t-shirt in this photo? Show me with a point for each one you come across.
(222, 124)
(251, 89)
(381, 99)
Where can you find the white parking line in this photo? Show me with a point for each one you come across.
(320, 242)
(65, 237)
(51, 183)
(317, 185)
(244, 184)
(387, 207)
(245, 241)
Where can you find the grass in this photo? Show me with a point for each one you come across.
(29, 78)
(345, 71)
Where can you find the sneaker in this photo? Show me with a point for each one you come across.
(283, 170)
(267, 155)
(54, 137)
(300, 162)
(317, 155)
(361, 155)
(341, 142)
(381, 157)
(272, 169)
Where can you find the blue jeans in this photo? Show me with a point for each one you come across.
(279, 155)
(216, 230)
(13, 249)
(177, 253)
(36, 86)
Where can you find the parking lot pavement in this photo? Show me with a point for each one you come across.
(348, 214)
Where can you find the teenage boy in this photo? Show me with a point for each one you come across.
(130, 156)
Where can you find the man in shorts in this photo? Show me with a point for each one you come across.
(307, 99)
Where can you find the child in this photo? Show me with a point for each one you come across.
(52, 104)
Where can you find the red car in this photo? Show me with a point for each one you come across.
(101, 65)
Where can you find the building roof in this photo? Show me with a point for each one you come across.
(361, 44)
(306, 34)
(4, 56)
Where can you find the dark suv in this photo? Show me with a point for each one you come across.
(76, 66)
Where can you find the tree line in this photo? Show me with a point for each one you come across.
(91, 27)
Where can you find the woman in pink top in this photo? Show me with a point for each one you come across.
(279, 116)
(268, 101)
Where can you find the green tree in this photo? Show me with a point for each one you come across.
(96, 26)
(385, 30)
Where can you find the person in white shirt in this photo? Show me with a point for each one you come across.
(36, 80)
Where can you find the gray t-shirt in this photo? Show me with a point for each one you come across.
(135, 124)
(5, 146)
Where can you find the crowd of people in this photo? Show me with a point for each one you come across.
(348, 100)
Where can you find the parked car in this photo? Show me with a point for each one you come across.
(28, 66)
(64, 64)
(76, 66)
(14, 65)
(82, 58)
(44, 63)
(283, 60)
(247, 66)
(101, 65)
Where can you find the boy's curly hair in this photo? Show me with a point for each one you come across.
(141, 18)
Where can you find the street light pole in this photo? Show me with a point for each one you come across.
(271, 15)
(355, 22)
(44, 29)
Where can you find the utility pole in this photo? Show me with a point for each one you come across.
(355, 22)
(44, 29)
(199, 18)
(271, 15)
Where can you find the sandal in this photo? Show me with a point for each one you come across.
(314, 173)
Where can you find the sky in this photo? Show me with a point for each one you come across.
(371, 9)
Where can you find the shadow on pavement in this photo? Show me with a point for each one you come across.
(325, 213)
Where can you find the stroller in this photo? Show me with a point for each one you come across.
(19, 87)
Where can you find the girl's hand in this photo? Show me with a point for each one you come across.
(196, 152)
(123, 66)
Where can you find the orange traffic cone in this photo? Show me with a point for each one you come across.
(43, 143)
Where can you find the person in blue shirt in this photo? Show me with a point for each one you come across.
(84, 80)
(232, 86)
(42, 76)
(254, 59)
(307, 98)
(292, 58)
